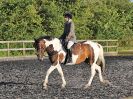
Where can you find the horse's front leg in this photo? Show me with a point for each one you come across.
(62, 75)
(47, 75)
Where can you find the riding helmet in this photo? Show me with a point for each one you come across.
(68, 14)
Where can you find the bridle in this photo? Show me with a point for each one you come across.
(40, 50)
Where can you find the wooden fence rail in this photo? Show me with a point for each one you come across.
(110, 46)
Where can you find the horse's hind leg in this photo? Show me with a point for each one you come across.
(93, 72)
(47, 75)
(95, 67)
(98, 68)
(62, 75)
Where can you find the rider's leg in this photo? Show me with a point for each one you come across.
(69, 45)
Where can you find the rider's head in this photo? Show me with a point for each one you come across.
(67, 15)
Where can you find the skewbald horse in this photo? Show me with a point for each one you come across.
(80, 52)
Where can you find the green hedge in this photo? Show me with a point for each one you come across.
(94, 19)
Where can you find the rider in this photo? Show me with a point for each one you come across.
(68, 37)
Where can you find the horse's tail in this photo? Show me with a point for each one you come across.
(101, 58)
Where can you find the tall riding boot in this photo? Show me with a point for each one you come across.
(69, 60)
(68, 57)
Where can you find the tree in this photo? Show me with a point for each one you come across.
(19, 20)
(94, 19)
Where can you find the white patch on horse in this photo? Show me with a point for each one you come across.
(47, 43)
(56, 44)
(95, 48)
(74, 59)
(101, 57)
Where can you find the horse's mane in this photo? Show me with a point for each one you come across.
(49, 38)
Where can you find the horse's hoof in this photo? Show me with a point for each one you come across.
(86, 87)
(45, 87)
(63, 87)
(106, 82)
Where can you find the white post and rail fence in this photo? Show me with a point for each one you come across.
(25, 48)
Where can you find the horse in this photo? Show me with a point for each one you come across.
(80, 52)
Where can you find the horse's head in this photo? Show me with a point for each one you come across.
(39, 45)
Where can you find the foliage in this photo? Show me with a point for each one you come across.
(94, 19)
(19, 20)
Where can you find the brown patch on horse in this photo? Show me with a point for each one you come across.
(54, 59)
(61, 57)
(53, 55)
(83, 51)
(42, 44)
(41, 48)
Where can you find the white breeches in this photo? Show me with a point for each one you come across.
(70, 43)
